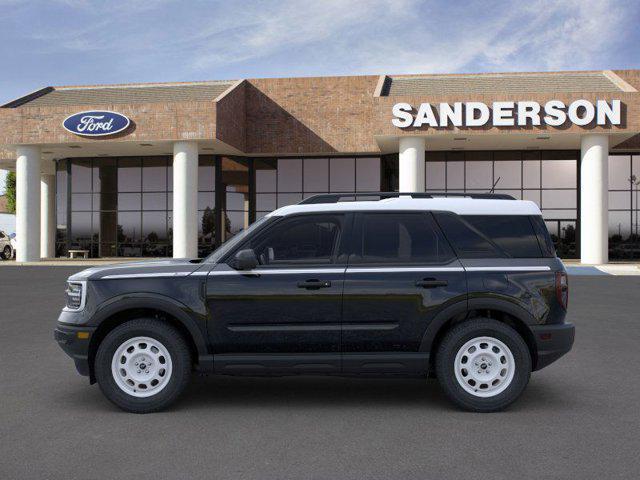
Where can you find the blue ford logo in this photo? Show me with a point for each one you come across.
(96, 123)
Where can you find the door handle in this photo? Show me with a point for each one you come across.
(314, 284)
(431, 283)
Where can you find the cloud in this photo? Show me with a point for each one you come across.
(79, 41)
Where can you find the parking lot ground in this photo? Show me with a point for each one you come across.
(578, 419)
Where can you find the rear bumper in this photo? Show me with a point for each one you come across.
(74, 345)
(552, 342)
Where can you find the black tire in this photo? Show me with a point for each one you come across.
(6, 253)
(177, 348)
(456, 338)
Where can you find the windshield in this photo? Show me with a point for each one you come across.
(229, 245)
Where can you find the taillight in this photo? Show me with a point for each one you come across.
(562, 289)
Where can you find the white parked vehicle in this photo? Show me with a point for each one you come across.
(7, 246)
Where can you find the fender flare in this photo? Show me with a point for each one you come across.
(465, 306)
(157, 302)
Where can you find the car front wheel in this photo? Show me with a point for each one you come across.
(483, 365)
(6, 253)
(143, 365)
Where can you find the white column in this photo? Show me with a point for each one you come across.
(47, 215)
(185, 200)
(594, 200)
(411, 164)
(28, 203)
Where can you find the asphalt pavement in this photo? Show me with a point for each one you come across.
(578, 419)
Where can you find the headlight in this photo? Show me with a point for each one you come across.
(76, 294)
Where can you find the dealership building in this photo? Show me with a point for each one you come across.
(175, 169)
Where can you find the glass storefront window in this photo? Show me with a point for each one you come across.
(624, 202)
(342, 175)
(367, 174)
(129, 174)
(436, 175)
(479, 175)
(285, 181)
(508, 174)
(316, 175)
(61, 208)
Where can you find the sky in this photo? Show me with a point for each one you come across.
(76, 42)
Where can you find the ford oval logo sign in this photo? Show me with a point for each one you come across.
(96, 123)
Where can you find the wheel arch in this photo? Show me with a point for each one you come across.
(499, 309)
(120, 310)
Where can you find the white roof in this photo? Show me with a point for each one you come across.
(461, 206)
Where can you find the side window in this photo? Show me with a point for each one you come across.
(512, 233)
(544, 239)
(466, 240)
(309, 239)
(401, 238)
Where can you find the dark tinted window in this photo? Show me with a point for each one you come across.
(308, 239)
(467, 241)
(401, 238)
(512, 233)
(544, 239)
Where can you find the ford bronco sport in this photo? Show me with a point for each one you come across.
(465, 288)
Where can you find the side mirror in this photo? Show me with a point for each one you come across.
(245, 260)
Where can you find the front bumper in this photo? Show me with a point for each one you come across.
(75, 343)
(552, 342)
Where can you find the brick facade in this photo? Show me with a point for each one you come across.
(290, 116)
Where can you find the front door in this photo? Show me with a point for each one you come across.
(285, 314)
(401, 274)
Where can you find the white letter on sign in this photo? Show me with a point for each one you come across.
(608, 112)
(470, 114)
(402, 112)
(503, 114)
(589, 112)
(425, 116)
(528, 110)
(554, 113)
(451, 114)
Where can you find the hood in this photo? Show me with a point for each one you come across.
(170, 267)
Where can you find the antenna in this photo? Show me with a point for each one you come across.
(494, 185)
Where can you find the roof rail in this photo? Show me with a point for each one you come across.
(352, 196)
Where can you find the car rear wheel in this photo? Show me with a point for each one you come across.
(483, 365)
(143, 365)
(6, 253)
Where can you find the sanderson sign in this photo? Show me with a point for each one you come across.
(507, 114)
(96, 123)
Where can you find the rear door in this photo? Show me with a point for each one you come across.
(401, 273)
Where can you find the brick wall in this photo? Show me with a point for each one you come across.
(318, 115)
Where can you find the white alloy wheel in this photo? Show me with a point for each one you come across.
(484, 367)
(141, 367)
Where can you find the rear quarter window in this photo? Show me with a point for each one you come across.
(491, 236)
(512, 233)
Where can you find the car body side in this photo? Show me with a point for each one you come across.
(518, 292)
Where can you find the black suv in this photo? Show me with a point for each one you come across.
(467, 289)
